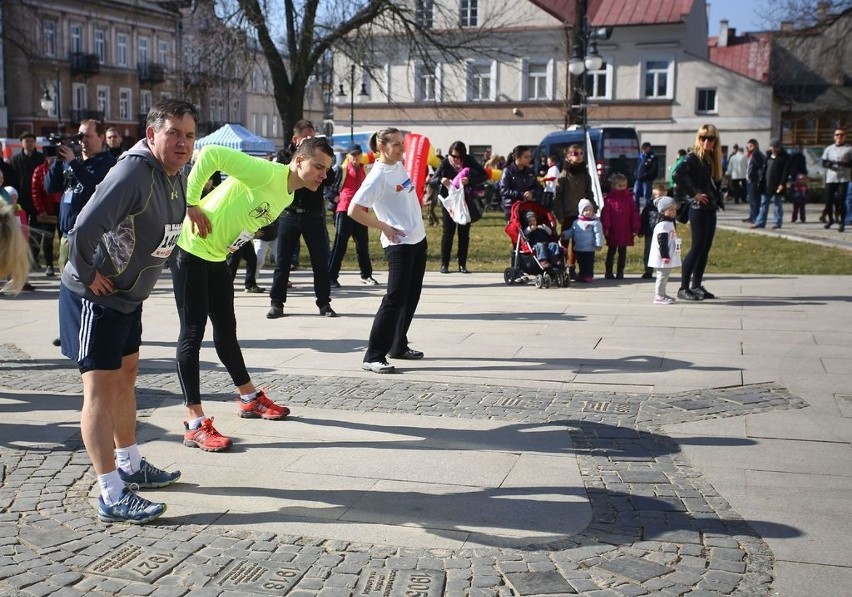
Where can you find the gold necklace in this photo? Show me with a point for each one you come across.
(172, 185)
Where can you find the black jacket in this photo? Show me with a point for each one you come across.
(477, 175)
(647, 170)
(776, 172)
(76, 181)
(695, 176)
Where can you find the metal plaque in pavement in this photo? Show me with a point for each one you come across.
(137, 563)
(273, 578)
(390, 582)
(610, 407)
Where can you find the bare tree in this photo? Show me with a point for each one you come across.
(313, 28)
(801, 14)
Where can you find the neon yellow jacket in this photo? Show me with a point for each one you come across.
(253, 196)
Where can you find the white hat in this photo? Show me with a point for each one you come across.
(663, 203)
(584, 203)
(12, 191)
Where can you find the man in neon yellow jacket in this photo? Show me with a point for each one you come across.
(254, 194)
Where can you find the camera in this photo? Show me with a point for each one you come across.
(72, 141)
(49, 151)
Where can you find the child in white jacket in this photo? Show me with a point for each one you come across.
(588, 236)
(665, 248)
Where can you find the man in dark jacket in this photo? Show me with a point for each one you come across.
(304, 218)
(645, 175)
(776, 175)
(754, 172)
(76, 178)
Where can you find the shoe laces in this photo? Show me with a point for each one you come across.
(133, 501)
(263, 400)
(207, 427)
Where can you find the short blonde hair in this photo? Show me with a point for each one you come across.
(14, 250)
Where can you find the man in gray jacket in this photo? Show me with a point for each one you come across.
(117, 249)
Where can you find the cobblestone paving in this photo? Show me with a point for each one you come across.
(658, 527)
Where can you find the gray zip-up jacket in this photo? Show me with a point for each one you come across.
(127, 230)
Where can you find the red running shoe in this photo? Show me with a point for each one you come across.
(205, 437)
(262, 408)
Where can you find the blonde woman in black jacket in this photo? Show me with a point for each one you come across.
(698, 178)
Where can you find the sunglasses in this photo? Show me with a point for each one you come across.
(706, 138)
(577, 154)
(455, 156)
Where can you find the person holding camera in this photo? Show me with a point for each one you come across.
(77, 176)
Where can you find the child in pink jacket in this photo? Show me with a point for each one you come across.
(620, 220)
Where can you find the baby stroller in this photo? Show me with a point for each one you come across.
(524, 261)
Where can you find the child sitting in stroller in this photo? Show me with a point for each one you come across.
(538, 236)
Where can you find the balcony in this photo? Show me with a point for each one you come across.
(151, 72)
(80, 114)
(84, 64)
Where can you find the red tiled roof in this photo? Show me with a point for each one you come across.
(747, 55)
(620, 12)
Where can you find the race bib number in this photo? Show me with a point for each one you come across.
(242, 239)
(167, 245)
(678, 243)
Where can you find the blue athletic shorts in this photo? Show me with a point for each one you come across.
(94, 336)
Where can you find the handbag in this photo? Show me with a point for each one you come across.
(683, 210)
(475, 207)
(456, 205)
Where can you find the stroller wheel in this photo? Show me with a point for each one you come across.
(509, 276)
(539, 281)
(546, 281)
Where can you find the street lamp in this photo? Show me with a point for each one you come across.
(584, 55)
(342, 93)
(48, 103)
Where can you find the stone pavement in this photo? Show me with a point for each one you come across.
(552, 442)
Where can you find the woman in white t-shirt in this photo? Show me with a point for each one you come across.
(389, 193)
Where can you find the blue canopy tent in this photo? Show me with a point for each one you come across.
(237, 136)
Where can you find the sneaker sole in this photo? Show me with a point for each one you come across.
(379, 371)
(189, 443)
(150, 485)
(252, 415)
(105, 518)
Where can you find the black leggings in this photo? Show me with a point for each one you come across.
(205, 288)
(703, 225)
(610, 257)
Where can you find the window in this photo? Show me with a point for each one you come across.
(143, 51)
(76, 33)
(103, 101)
(164, 53)
(100, 45)
(705, 101)
(423, 13)
(124, 106)
(235, 111)
(480, 81)
(537, 82)
(275, 125)
(146, 100)
(50, 38)
(264, 124)
(121, 49)
(598, 82)
(165, 95)
(658, 78)
(426, 83)
(254, 122)
(468, 10)
(79, 101)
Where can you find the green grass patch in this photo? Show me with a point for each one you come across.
(732, 252)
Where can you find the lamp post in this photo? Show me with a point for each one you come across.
(584, 54)
(342, 93)
(48, 103)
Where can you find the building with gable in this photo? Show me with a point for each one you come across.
(514, 88)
